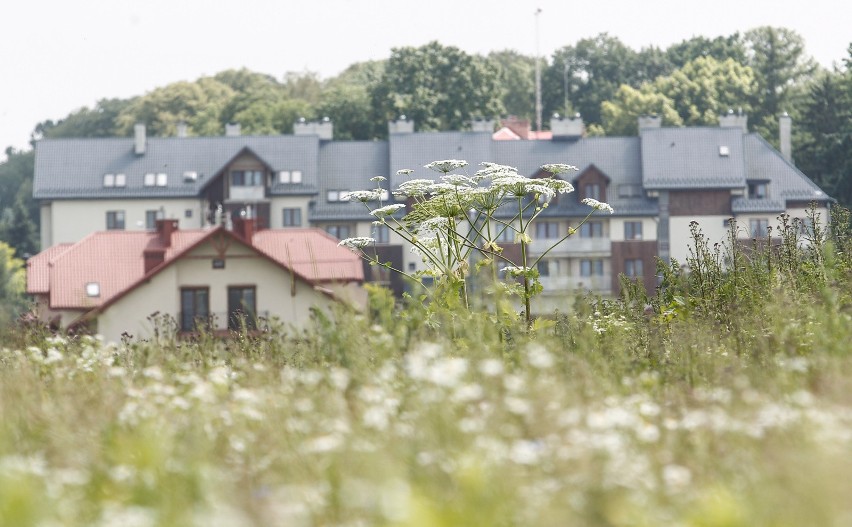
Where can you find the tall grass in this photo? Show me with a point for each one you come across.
(722, 400)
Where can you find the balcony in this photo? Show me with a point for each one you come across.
(573, 246)
(558, 285)
(246, 193)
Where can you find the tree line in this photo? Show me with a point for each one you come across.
(762, 72)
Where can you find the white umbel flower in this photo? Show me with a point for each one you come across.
(597, 205)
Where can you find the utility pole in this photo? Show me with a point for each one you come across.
(537, 76)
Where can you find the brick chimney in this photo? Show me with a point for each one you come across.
(153, 256)
(403, 125)
(165, 228)
(734, 120)
(521, 127)
(245, 227)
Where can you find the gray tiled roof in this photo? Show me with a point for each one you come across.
(74, 168)
(349, 165)
(743, 204)
(412, 151)
(689, 158)
(786, 182)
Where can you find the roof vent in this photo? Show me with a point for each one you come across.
(724, 151)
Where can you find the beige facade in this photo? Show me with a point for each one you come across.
(278, 293)
(69, 221)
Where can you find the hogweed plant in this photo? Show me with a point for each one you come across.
(454, 224)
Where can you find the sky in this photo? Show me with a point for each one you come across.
(60, 55)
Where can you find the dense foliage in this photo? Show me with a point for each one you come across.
(722, 402)
(764, 72)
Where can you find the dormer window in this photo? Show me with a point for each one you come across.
(93, 289)
(592, 190)
(109, 180)
(290, 176)
(246, 178)
(758, 190)
(337, 195)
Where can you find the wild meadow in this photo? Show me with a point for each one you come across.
(723, 399)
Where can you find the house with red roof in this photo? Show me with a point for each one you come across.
(216, 279)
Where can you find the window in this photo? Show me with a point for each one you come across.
(758, 227)
(629, 191)
(724, 151)
(757, 190)
(543, 268)
(93, 289)
(592, 190)
(151, 217)
(591, 229)
(382, 234)
(292, 217)
(806, 226)
(337, 195)
(120, 180)
(187, 213)
(246, 178)
(633, 268)
(290, 176)
(380, 274)
(632, 230)
(338, 231)
(194, 307)
(162, 179)
(149, 179)
(506, 236)
(547, 229)
(591, 267)
(242, 307)
(109, 180)
(115, 220)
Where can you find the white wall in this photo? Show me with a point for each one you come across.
(279, 203)
(680, 240)
(616, 228)
(71, 220)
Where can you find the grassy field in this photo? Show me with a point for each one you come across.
(724, 401)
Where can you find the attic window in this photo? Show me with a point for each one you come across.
(724, 151)
(337, 195)
(290, 176)
(162, 179)
(120, 180)
(109, 180)
(150, 179)
(190, 177)
(93, 289)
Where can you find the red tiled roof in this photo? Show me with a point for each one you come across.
(311, 253)
(115, 261)
(505, 134)
(38, 269)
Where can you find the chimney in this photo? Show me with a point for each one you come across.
(245, 227)
(232, 129)
(139, 139)
(165, 228)
(785, 128)
(650, 121)
(734, 120)
(567, 129)
(482, 125)
(181, 129)
(323, 129)
(520, 126)
(403, 125)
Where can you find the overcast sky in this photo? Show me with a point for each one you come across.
(60, 55)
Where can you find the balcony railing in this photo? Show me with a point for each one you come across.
(555, 285)
(239, 193)
(573, 246)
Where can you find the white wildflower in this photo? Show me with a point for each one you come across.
(491, 367)
(513, 270)
(404, 172)
(676, 477)
(387, 210)
(597, 205)
(539, 357)
(558, 168)
(414, 187)
(362, 195)
(525, 452)
(446, 166)
(456, 179)
(356, 243)
(378, 178)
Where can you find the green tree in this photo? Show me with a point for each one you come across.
(517, 76)
(777, 57)
(705, 88)
(440, 87)
(13, 283)
(19, 230)
(349, 107)
(719, 48)
(824, 139)
(100, 121)
(582, 76)
(621, 114)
